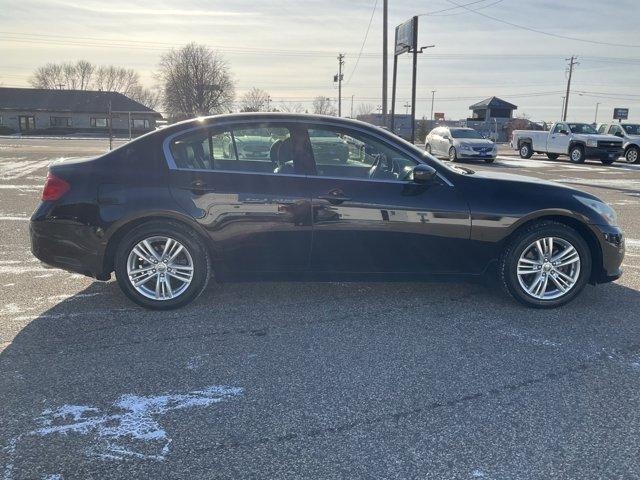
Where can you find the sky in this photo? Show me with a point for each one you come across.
(289, 48)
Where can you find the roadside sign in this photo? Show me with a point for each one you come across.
(438, 115)
(406, 37)
(620, 113)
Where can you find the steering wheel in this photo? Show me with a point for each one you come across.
(381, 167)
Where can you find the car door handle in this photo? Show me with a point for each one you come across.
(334, 198)
(198, 186)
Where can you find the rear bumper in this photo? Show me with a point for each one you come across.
(612, 247)
(67, 245)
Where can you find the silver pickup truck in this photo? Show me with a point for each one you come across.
(579, 141)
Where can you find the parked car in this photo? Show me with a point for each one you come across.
(330, 147)
(457, 143)
(630, 135)
(580, 141)
(394, 212)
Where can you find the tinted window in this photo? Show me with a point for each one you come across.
(349, 154)
(632, 129)
(582, 128)
(262, 149)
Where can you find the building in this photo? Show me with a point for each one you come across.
(33, 110)
(490, 117)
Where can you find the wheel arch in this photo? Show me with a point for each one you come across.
(125, 226)
(579, 226)
(579, 143)
(523, 140)
(630, 146)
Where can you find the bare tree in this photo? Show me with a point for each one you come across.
(324, 106)
(255, 100)
(116, 79)
(292, 108)
(365, 109)
(48, 76)
(196, 81)
(146, 96)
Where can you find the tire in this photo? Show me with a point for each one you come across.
(156, 233)
(607, 160)
(632, 155)
(576, 154)
(552, 156)
(453, 155)
(522, 242)
(427, 147)
(525, 150)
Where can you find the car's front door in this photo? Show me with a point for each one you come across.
(369, 216)
(559, 139)
(245, 185)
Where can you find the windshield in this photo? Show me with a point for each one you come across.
(632, 129)
(465, 133)
(582, 128)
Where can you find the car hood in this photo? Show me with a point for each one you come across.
(480, 142)
(531, 181)
(598, 136)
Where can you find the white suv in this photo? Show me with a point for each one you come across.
(630, 135)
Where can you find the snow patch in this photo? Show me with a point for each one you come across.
(129, 428)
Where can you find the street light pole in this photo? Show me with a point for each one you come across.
(385, 54)
(433, 97)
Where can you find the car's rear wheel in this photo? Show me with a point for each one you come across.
(632, 155)
(453, 155)
(525, 150)
(161, 265)
(576, 154)
(546, 265)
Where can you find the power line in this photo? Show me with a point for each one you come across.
(542, 32)
(366, 35)
(436, 13)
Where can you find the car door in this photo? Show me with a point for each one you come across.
(559, 142)
(368, 216)
(244, 183)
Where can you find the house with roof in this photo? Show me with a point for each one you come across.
(35, 110)
(491, 116)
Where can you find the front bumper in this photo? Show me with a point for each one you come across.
(612, 248)
(477, 155)
(67, 245)
(599, 152)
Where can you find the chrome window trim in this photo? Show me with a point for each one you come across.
(172, 164)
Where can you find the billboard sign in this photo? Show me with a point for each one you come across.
(406, 36)
(438, 115)
(620, 113)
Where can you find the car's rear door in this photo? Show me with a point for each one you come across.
(255, 206)
(368, 216)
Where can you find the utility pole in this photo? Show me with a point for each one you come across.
(562, 109)
(338, 78)
(110, 118)
(352, 105)
(385, 54)
(572, 63)
(129, 125)
(433, 97)
(595, 120)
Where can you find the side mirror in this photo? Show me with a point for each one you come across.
(423, 173)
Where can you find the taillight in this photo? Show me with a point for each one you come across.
(54, 188)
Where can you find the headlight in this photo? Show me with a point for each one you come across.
(607, 213)
(466, 148)
(592, 142)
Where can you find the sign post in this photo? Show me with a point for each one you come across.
(406, 41)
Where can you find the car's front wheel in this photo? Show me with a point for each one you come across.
(632, 155)
(453, 154)
(160, 265)
(576, 154)
(546, 265)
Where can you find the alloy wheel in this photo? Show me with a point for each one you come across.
(632, 155)
(548, 268)
(160, 268)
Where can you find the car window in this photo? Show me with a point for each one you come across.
(602, 128)
(262, 149)
(465, 133)
(584, 128)
(632, 129)
(558, 127)
(345, 153)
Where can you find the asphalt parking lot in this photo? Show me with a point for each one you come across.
(314, 380)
